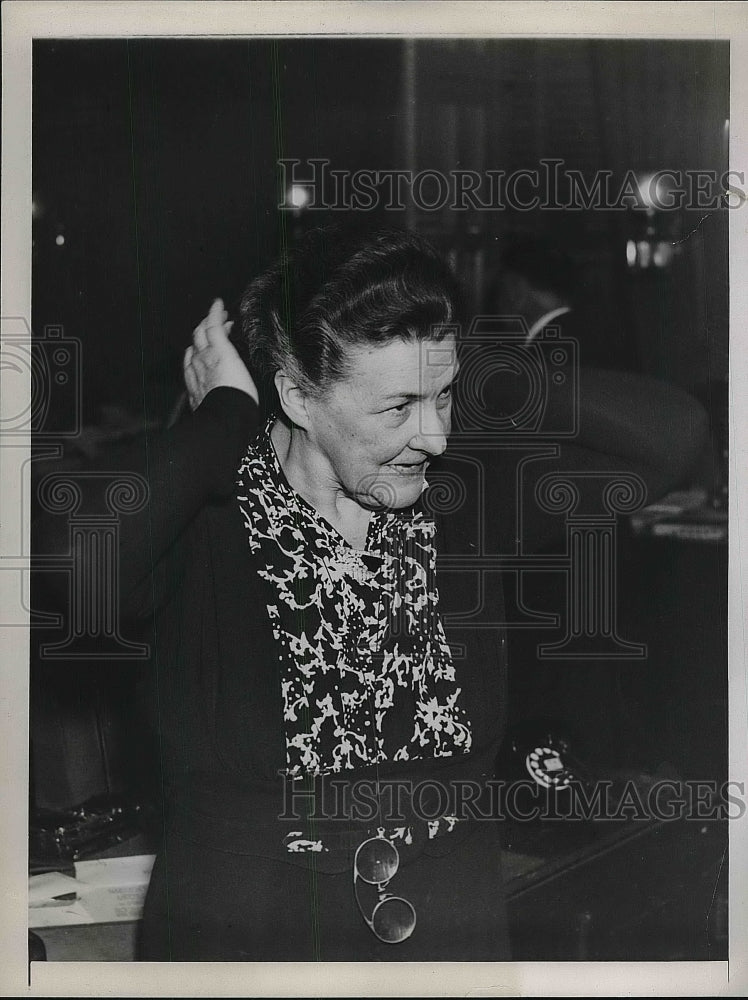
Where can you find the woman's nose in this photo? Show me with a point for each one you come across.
(431, 437)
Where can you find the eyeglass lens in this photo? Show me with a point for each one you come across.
(377, 861)
(393, 920)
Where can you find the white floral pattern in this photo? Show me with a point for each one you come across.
(366, 670)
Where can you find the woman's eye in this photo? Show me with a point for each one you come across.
(446, 394)
(400, 408)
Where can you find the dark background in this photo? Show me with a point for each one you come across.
(155, 161)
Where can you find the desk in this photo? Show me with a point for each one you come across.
(645, 892)
(669, 709)
(90, 942)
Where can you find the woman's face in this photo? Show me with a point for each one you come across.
(378, 428)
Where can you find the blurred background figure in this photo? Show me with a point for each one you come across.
(536, 281)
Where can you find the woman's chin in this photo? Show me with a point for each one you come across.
(393, 494)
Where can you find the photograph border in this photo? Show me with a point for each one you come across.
(24, 21)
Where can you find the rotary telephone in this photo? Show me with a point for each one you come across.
(541, 750)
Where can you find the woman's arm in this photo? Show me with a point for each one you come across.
(187, 467)
(184, 467)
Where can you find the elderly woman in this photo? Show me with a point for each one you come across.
(307, 671)
(322, 726)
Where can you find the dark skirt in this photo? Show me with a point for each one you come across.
(208, 905)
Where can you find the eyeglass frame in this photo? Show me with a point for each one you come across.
(380, 887)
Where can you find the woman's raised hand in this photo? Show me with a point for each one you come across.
(213, 361)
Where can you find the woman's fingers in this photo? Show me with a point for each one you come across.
(216, 327)
(217, 314)
(196, 365)
(213, 360)
(193, 389)
(190, 379)
(213, 329)
(199, 336)
(202, 361)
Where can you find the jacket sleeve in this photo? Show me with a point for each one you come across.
(626, 424)
(183, 469)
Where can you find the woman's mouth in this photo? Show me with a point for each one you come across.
(408, 468)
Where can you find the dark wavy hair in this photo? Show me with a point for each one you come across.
(336, 289)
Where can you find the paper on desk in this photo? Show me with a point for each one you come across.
(59, 916)
(44, 888)
(109, 890)
(115, 871)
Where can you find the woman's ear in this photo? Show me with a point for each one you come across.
(292, 398)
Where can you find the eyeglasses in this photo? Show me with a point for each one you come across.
(376, 861)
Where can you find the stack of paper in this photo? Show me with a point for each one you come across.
(106, 890)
